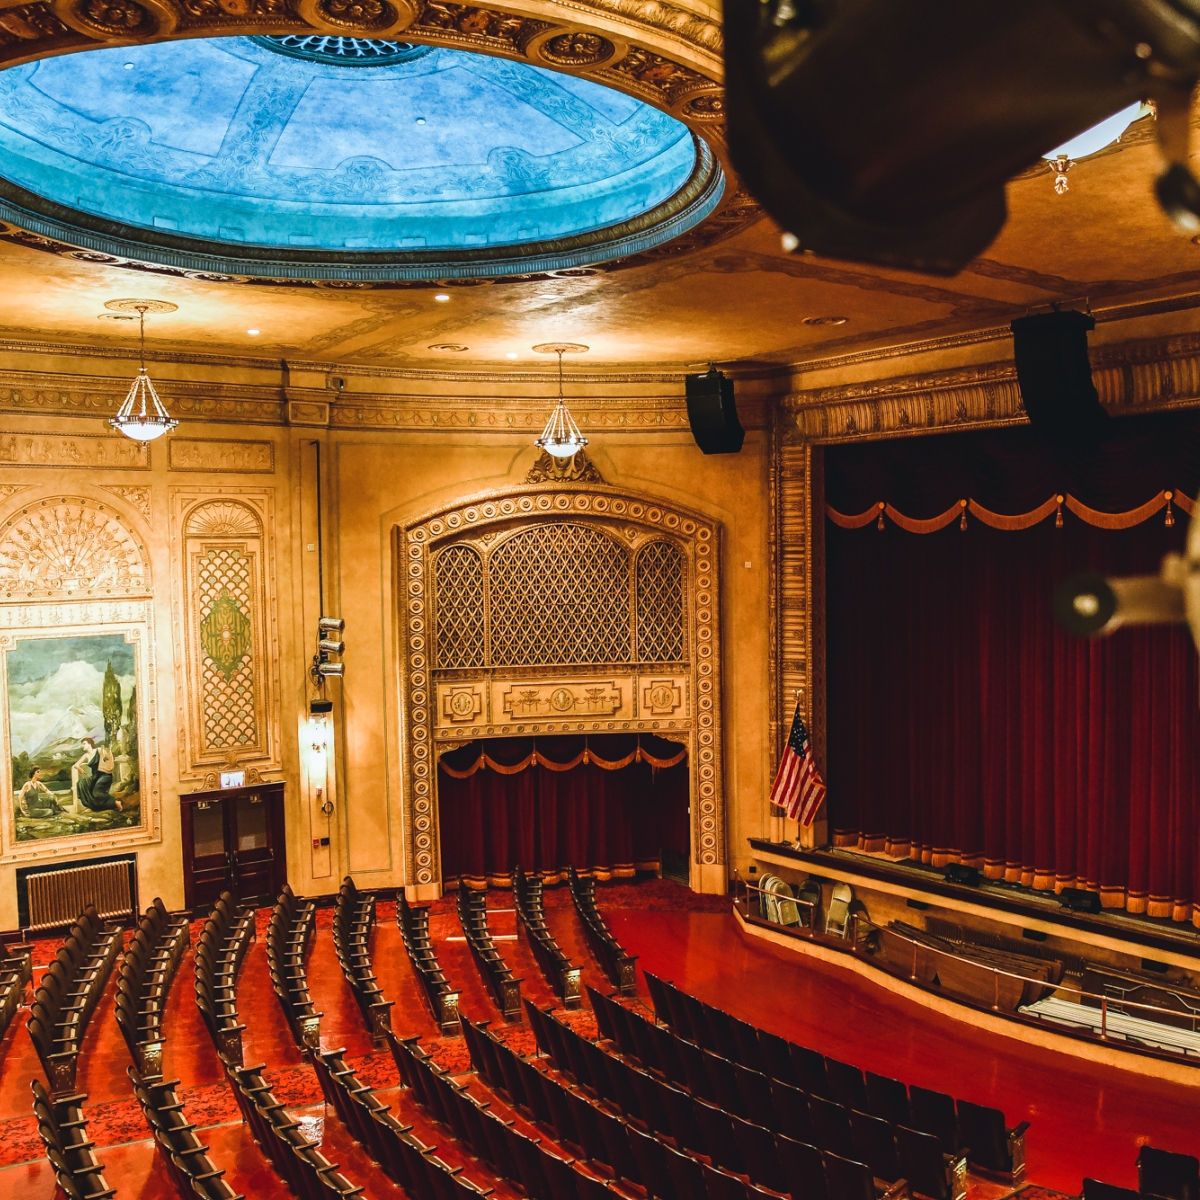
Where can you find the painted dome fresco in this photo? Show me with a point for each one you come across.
(281, 155)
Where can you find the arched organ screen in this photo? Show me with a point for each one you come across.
(559, 594)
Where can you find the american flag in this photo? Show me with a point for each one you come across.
(799, 788)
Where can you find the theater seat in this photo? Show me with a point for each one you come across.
(933, 1112)
(1163, 1173)
(929, 1171)
(1093, 1189)
(847, 1179)
(992, 1146)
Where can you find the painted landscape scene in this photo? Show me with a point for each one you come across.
(73, 736)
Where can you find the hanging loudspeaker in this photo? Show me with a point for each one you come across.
(712, 413)
(1051, 352)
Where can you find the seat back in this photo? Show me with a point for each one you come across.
(846, 1084)
(802, 1167)
(875, 1144)
(831, 1124)
(933, 1112)
(887, 1098)
(1093, 1189)
(848, 1179)
(1163, 1173)
(838, 915)
(922, 1163)
(983, 1132)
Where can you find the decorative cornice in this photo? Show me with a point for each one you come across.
(1138, 376)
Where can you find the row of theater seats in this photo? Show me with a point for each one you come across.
(677, 1120)
(309, 1174)
(404, 1158)
(67, 996)
(537, 1169)
(504, 986)
(560, 973)
(1161, 1173)
(288, 932)
(63, 1130)
(16, 970)
(619, 966)
(627, 1147)
(144, 979)
(149, 966)
(414, 932)
(186, 1156)
(749, 1122)
(222, 945)
(353, 924)
(961, 1127)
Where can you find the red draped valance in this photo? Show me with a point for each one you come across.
(1014, 521)
(611, 752)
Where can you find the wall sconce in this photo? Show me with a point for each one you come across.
(316, 747)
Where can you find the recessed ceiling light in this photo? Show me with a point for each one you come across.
(441, 296)
(825, 320)
(449, 347)
(252, 332)
(510, 356)
(420, 120)
(129, 66)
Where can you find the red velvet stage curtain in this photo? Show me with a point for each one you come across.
(962, 724)
(610, 820)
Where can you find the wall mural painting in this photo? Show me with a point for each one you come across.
(73, 735)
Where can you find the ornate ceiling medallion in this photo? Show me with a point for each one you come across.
(344, 51)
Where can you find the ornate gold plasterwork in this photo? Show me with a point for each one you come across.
(209, 454)
(69, 547)
(86, 450)
(133, 495)
(576, 469)
(228, 654)
(467, 672)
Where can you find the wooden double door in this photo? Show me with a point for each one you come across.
(233, 841)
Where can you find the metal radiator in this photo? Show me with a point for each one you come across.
(58, 897)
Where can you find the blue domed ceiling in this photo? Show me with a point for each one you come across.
(257, 149)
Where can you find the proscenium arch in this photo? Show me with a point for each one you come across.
(664, 55)
(443, 707)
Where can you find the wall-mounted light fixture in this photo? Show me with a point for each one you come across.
(316, 745)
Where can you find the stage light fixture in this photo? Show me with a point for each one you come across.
(885, 131)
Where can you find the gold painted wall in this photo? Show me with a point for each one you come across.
(226, 507)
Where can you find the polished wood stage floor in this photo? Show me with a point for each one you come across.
(1087, 1119)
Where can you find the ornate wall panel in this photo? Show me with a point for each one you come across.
(558, 608)
(225, 606)
(75, 591)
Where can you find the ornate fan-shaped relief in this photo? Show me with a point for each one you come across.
(66, 547)
(223, 518)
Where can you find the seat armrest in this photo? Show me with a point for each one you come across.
(1018, 1131)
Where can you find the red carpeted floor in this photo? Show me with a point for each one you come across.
(1086, 1119)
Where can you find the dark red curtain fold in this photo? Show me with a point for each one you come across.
(962, 724)
(608, 822)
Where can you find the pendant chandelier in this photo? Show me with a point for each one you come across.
(561, 437)
(142, 415)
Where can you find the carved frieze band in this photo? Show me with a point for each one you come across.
(484, 703)
(1132, 376)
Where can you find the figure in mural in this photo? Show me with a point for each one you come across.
(95, 788)
(73, 735)
(35, 799)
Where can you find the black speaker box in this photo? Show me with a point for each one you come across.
(1051, 352)
(712, 413)
(1080, 900)
(960, 873)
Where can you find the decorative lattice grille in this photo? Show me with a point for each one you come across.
(559, 594)
(225, 576)
(660, 603)
(458, 573)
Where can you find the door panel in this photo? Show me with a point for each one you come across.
(210, 859)
(252, 851)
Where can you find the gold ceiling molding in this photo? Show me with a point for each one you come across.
(1136, 376)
